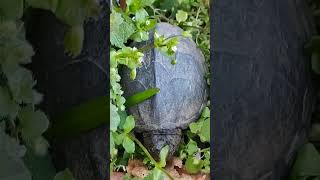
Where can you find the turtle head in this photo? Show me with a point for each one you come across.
(157, 139)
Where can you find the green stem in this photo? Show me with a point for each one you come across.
(154, 162)
(151, 46)
(204, 150)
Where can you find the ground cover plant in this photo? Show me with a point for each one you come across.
(23, 148)
(131, 21)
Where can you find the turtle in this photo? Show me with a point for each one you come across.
(183, 90)
(263, 90)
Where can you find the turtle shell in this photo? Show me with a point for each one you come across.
(183, 87)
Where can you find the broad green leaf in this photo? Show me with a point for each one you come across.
(141, 15)
(44, 4)
(205, 113)
(149, 24)
(118, 138)
(205, 131)
(8, 108)
(82, 118)
(307, 163)
(41, 167)
(141, 96)
(163, 156)
(74, 12)
(73, 40)
(145, 3)
(64, 175)
(112, 146)
(11, 9)
(128, 145)
(193, 165)
(12, 166)
(20, 82)
(129, 124)
(191, 147)
(123, 116)
(18, 52)
(114, 117)
(39, 146)
(115, 19)
(32, 123)
(121, 33)
(195, 127)
(181, 16)
(140, 36)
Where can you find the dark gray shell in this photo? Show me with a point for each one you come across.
(182, 86)
(262, 87)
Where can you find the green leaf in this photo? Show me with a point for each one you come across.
(82, 118)
(181, 16)
(205, 131)
(123, 116)
(128, 145)
(141, 15)
(41, 167)
(39, 146)
(64, 175)
(163, 156)
(120, 33)
(191, 147)
(145, 3)
(74, 12)
(141, 96)
(12, 166)
(21, 83)
(73, 40)
(114, 118)
(8, 108)
(307, 163)
(193, 165)
(32, 123)
(129, 124)
(118, 138)
(205, 113)
(195, 127)
(11, 9)
(140, 36)
(44, 4)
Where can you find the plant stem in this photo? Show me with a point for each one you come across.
(204, 150)
(151, 45)
(154, 162)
